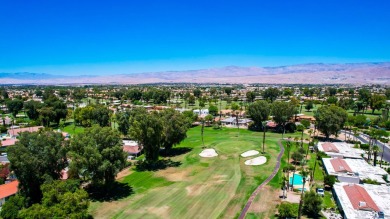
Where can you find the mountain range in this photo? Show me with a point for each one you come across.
(314, 73)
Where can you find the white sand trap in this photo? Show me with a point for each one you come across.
(249, 153)
(256, 161)
(208, 153)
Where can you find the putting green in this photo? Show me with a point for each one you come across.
(200, 187)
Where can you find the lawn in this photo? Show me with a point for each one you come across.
(200, 187)
(71, 129)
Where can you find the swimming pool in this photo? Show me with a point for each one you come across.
(297, 180)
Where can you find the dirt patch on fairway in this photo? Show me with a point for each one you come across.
(174, 174)
(161, 212)
(223, 157)
(265, 201)
(197, 189)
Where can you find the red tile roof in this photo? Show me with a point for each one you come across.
(8, 142)
(8, 189)
(340, 165)
(359, 198)
(28, 129)
(329, 147)
(131, 149)
(64, 174)
(271, 124)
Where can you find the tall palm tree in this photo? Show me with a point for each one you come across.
(288, 145)
(304, 175)
(238, 125)
(264, 130)
(375, 150)
(202, 131)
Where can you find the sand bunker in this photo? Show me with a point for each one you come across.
(208, 153)
(249, 153)
(256, 161)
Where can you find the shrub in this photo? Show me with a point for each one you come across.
(288, 210)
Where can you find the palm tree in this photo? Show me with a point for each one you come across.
(310, 133)
(288, 145)
(284, 179)
(375, 150)
(301, 128)
(355, 133)
(264, 130)
(238, 125)
(202, 130)
(296, 139)
(304, 175)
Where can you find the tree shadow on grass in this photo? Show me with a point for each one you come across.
(156, 165)
(113, 192)
(175, 152)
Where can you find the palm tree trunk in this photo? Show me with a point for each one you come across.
(301, 201)
(263, 138)
(383, 150)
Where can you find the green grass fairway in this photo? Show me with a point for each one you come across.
(200, 187)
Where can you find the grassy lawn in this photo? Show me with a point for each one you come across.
(318, 173)
(200, 187)
(328, 201)
(71, 129)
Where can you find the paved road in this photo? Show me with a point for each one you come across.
(386, 155)
(252, 197)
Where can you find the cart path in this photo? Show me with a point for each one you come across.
(252, 197)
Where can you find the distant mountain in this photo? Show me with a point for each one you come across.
(29, 76)
(313, 73)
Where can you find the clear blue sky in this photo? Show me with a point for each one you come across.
(109, 37)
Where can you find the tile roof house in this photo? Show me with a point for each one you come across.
(329, 147)
(15, 132)
(362, 201)
(340, 165)
(7, 190)
(359, 198)
(8, 142)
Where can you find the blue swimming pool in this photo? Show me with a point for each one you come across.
(297, 179)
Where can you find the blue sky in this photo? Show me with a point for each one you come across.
(115, 37)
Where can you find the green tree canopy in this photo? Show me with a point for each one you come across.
(14, 106)
(32, 109)
(309, 105)
(61, 199)
(146, 128)
(123, 119)
(93, 114)
(97, 154)
(330, 119)
(312, 203)
(10, 209)
(282, 112)
(288, 210)
(377, 102)
(259, 111)
(271, 94)
(58, 107)
(175, 127)
(197, 92)
(250, 96)
(213, 110)
(35, 158)
(228, 90)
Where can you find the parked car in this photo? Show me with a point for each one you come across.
(321, 192)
